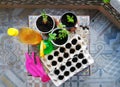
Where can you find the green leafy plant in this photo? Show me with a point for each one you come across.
(52, 36)
(63, 33)
(61, 26)
(45, 17)
(70, 19)
(106, 1)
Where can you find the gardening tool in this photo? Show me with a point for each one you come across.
(35, 67)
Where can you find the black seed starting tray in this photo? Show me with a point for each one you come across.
(67, 60)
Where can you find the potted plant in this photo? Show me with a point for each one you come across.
(69, 19)
(59, 36)
(45, 23)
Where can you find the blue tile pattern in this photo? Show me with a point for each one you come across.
(105, 48)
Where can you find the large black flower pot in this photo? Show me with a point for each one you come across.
(58, 41)
(64, 20)
(45, 27)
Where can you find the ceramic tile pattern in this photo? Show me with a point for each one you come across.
(104, 47)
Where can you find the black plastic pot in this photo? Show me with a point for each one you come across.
(65, 21)
(58, 41)
(45, 27)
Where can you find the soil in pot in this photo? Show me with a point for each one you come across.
(59, 41)
(65, 21)
(45, 27)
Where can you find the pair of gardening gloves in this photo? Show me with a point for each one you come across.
(35, 67)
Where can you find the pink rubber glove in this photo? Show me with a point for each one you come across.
(35, 69)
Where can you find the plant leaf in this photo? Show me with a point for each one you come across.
(63, 33)
(43, 14)
(52, 36)
(70, 19)
(61, 26)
